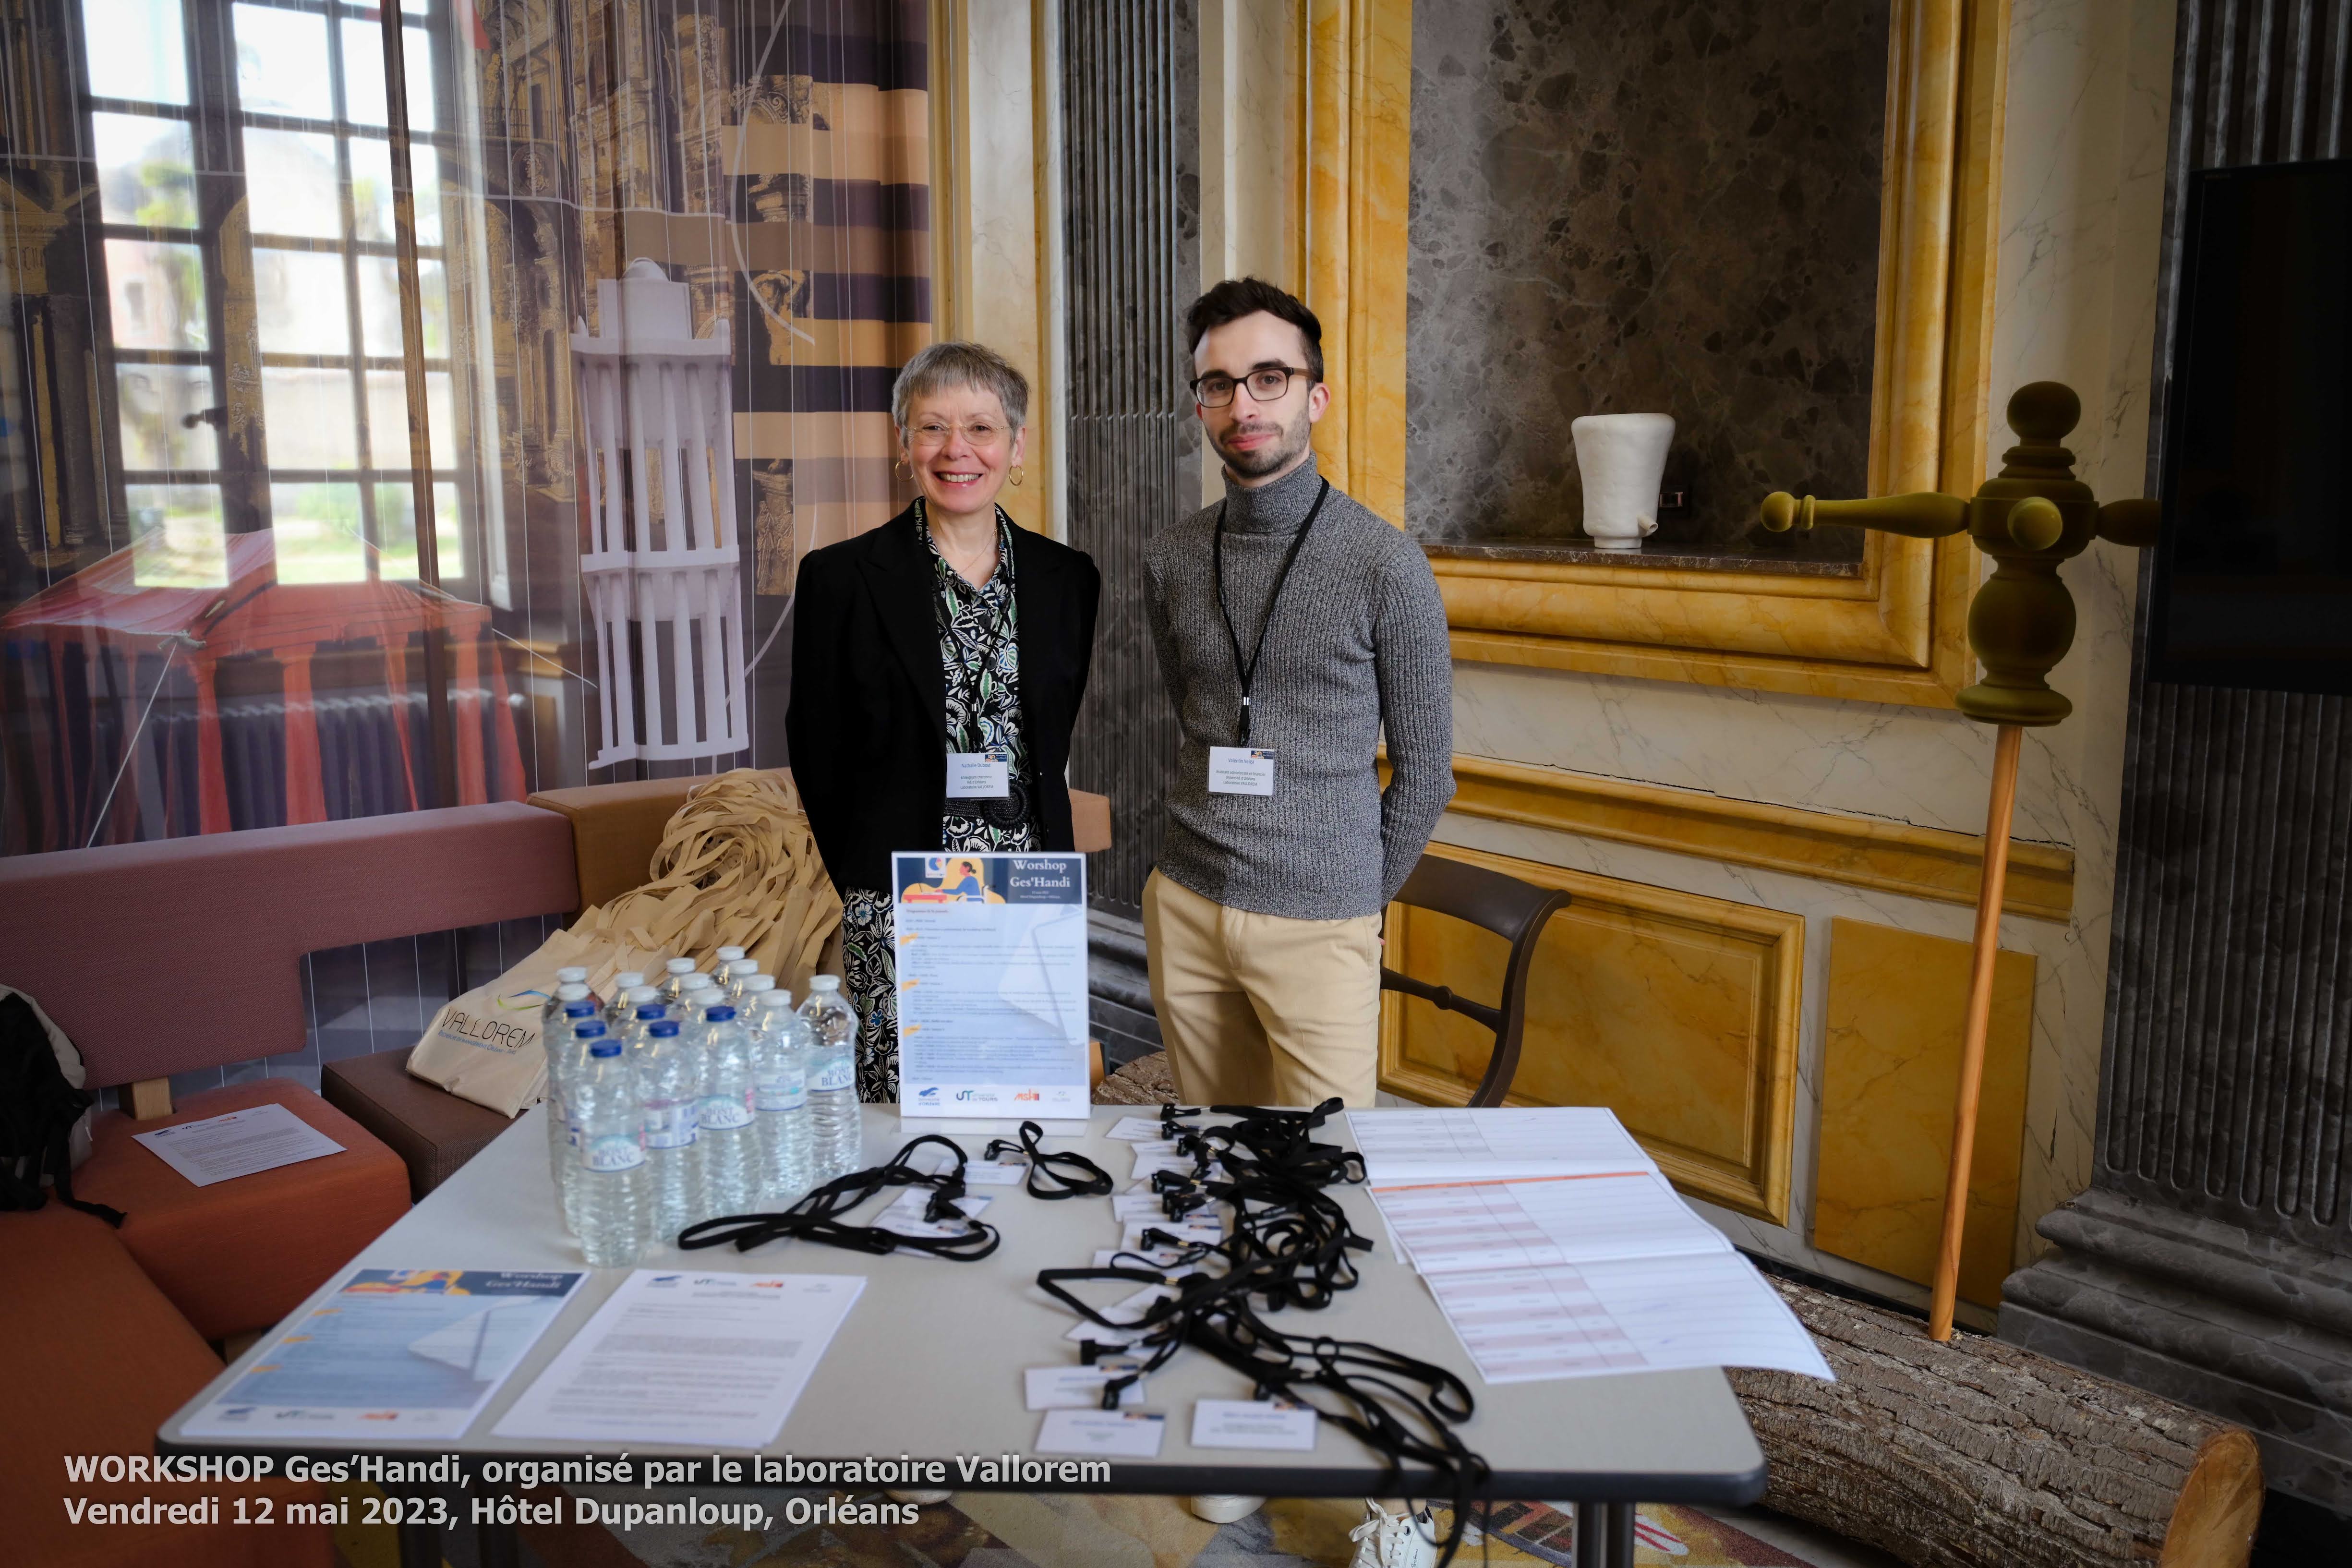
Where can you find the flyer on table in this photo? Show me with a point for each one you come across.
(396, 1352)
(991, 985)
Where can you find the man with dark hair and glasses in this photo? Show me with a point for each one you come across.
(1294, 626)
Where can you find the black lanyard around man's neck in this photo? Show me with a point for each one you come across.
(1247, 674)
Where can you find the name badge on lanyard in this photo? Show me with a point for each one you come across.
(1246, 769)
(1238, 770)
(977, 775)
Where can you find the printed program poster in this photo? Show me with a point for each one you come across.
(395, 1352)
(991, 985)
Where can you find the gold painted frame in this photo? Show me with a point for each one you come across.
(1358, 88)
(1753, 1181)
(1895, 633)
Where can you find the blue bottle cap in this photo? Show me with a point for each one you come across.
(607, 1046)
(590, 1030)
(662, 1029)
(580, 1009)
(651, 1011)
(719, 1014)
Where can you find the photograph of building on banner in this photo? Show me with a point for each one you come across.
(991, 985)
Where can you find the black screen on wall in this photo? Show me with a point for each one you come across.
(2254, 571)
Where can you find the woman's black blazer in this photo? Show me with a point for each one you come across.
(867, 724)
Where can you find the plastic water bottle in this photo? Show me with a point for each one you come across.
(698, 992)
(611, 1168)
(617, 1006)
(730, 1147)
(725, 956)
(754, 987)
(670, 1081)
(781, 1047)
(646, 1010)
(550, 1012)
(738, 970)
(674, 975)
(835, 1124)
(559, 1037)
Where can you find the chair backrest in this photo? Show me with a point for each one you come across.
(1514, 910)
(180, 954)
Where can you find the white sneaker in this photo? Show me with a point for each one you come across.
(1223, 1508)
(1388, 1540)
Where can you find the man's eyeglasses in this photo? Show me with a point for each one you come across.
(1266, 383)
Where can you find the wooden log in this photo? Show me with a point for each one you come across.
(1974, 1453)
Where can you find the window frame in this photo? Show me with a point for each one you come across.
(242, 475)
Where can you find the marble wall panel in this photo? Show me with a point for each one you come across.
(2081, 208)
(1621, 208)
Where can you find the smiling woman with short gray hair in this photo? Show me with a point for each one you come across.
(938, 665)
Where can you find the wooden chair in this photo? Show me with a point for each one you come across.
(1514, 910)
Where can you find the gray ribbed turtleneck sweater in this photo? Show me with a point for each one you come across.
(1358, 643)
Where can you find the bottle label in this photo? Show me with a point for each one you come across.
(721, 1112)
(613, 1152)
(786, 1091)
(670, 1125)
(838, 1073)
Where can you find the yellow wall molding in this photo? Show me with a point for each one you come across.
(1897, 633)
(993, 202)
(1359, 90)
(1675, 1011)
(1890, 1069)
(1891, 856)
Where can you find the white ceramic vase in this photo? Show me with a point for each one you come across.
(1623, 459)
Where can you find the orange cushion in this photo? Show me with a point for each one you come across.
(100, 1362)
(241, 1254)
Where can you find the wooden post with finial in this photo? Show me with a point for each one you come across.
(2028, 518)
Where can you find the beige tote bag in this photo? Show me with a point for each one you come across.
(736, 867)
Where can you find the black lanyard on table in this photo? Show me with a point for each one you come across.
(1247, 674)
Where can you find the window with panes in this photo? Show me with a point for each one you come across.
(245, 196)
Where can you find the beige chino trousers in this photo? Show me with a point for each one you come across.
(1260, 1009)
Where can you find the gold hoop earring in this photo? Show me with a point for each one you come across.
(1015, 476)
(903, 468)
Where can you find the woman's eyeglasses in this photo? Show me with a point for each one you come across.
(1266, 383)
(932, 434)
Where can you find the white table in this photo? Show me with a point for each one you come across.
(930, 1361)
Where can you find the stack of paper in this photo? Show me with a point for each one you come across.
(1557, 1248)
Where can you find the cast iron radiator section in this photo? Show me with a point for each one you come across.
(2211, 1258)
(1129, 114)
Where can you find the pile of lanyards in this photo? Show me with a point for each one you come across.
(1290, 1245)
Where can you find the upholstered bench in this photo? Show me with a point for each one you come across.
(431, 1130)
(239, 1255)
(100, 1358)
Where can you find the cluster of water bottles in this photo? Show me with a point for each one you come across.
(706, 1094)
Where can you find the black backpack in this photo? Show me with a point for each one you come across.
(38, 1108)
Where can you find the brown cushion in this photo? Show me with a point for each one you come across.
(241, 1254)
(615, 829)
(431, 1130)
(1089, 821)
(98, 1361)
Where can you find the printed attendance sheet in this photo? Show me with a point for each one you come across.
(396, 1352)
(1557, 1248)
(1525, 1324)
(1494, 1145)
(687, 1358)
